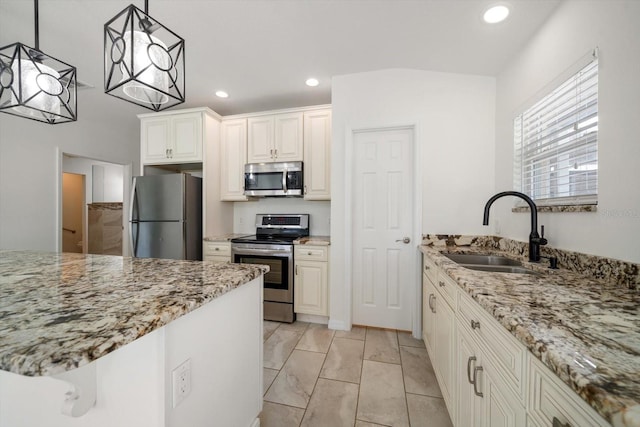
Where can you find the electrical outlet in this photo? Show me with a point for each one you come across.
(181, 382)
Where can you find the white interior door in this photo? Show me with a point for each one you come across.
(382, 212)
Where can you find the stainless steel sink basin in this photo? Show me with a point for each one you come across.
(476, 259)
(490, 263)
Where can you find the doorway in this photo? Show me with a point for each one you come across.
(73, 190)
(382, 253)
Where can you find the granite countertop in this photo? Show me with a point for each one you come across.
(587, 331)
(60, 311)
(313, 240)
(224, 237)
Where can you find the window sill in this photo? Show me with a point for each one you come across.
(558, 208)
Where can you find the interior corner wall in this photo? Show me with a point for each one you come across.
(454, 118)
(29, 164)
(575, 28)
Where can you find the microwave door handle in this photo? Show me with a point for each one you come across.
(284, 181)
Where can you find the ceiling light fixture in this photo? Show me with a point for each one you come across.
(312, 82)
(496, 14)
(222, 94)
(143, 60)
(35, 85)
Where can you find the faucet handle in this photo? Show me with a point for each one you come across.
(542, 240)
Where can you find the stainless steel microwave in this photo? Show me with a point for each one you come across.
(280, 179)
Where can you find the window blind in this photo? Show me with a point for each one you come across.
(556, 143)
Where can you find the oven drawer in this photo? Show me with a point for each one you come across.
(311, 253)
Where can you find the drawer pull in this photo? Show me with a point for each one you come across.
(557, 423)
(471, 359)
(217, 248)
(475, 381)
(441, 284)
(475, 325)
(309, 253)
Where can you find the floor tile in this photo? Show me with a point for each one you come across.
(344, 360)
(267, 378)
(382, 398)
(274, 415)
(279, 346)
(267, 328)
(356, 333)
(316, 338)
(427, 411)
(381, 346)
(419, 377)
(366, 424)
(333, 403)
(295, 326)
(406, 339)
(295, 382)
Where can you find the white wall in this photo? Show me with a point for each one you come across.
(244, 219)
(454, 118)
(575, 28)
(29, 164)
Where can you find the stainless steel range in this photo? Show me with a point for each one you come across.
(273, 245)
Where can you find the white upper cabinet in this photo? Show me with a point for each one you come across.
(275, 138)
(232, 159)
(317, 155)
(171, 138)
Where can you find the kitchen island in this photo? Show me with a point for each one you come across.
(117, 334)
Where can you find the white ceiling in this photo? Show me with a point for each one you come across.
(262, 51)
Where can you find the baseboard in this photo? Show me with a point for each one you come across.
(312, 318)
(255, 423)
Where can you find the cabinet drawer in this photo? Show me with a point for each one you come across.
(214, 258)
(311, 253)
(429, 268)
(447, 288)
(217, 249)
(506, 352)
(550, 398)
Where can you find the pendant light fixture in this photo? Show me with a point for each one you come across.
(143, 60)
(35, 85)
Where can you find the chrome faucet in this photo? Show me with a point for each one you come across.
(535, 240)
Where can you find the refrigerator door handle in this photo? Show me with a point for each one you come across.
(132, 244)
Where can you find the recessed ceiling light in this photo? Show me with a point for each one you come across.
(496, 14)
(312, 82)
(222, 94)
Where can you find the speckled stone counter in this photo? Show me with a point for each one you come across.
(313, 240)
(60, 311)
(585, 330)
(224, 237)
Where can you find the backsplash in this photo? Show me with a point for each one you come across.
(621, 272)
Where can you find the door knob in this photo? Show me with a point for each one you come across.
(406, 240)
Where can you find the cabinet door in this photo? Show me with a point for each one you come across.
(317, 155)
(428, 314)
(501, 406)
(154, 140)
(233, 159)
(186, 137)
(310, 288)
(260, 148)
(288, 137)
(468, 404)
(444, 349)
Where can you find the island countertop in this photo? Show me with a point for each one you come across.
(585, 330)
(60, 311)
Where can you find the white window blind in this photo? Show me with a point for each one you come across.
(556, 143)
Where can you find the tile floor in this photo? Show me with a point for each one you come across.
(366, 377)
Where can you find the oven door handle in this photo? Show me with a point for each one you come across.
(247, 251)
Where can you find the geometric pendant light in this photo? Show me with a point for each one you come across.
(35, 85)
(143, 60)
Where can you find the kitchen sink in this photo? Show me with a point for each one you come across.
(490, 263)
(487, 260)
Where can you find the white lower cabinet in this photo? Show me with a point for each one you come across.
(487, 377)
(311, 284)
(216, 251)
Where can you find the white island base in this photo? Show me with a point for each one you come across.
(133, 387)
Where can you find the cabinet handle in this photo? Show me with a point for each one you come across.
(475, 325)
(557, 423)
(296, 270)
(166, 153)
(441, 284)
(475, 381)
(276, 153)
(217, 249)
(471, 359)
(171, 152)
(426, 267)
(431, 306)
(309, 253)
(305, 189)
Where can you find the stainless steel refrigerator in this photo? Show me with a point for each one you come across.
(166, 217)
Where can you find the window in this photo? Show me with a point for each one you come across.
(556, 143)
